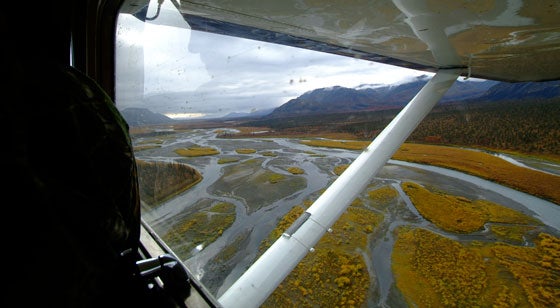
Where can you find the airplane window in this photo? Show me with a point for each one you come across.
(236, 138)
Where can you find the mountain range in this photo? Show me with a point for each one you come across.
(377, 97)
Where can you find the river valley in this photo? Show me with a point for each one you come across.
(258, 212)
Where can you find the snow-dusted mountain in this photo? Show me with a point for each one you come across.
(375, 97)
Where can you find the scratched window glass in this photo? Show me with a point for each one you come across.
(243, 141)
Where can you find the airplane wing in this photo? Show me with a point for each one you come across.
(502, 40)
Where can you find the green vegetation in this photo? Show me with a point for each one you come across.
(200, 228)
(197, 151)
(513, 234)
(145, 147)
(231, 249)
(521, 269)
(274, 178)
(528, 127)
(151, 141)
(313, 154)
(256, 186)
(159, 181)
(226, 160)
(148, 144)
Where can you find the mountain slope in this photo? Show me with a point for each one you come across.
(143, 116)
(515, 91)
(341, 100)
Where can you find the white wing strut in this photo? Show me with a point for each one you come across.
(264, 276)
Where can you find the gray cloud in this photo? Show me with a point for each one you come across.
(176, 70)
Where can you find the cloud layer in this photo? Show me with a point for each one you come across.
(175, 70)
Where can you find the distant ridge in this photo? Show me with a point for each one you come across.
(143, 116)
(372, 97)
(375, 97)
(257, 113)
(515, 91)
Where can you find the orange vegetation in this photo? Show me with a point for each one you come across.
(226, 160)
(139, 148)
(295, 170)
(485, 166)
(514, 234)
(265, 132)
(537, 269)
(248, 130)
(382, 195)
(340, 168)
(477, 163)
(245, 151)
(459, 214)
(434, 271)
(269, 153)
(334, 274)
(196, 151)
(341, 144)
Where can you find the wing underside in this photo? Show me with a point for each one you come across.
(501, 40)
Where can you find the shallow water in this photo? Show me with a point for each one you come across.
(318, 174)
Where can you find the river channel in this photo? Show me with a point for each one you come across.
(318, 163)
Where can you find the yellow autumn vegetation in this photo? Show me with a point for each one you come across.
(151, 141)
(511, 233)
(147, 144)
(227, 160)
(269, 153)
(274, 178)
(295, 170)
(536, 269)
(197, 151)
(484, 165)
(382, 195)
(460, 214)
(139, 148)
(340, 168)
(245, 151)
(477, 163)
(434, 271)
(340, 144)
(335, 274)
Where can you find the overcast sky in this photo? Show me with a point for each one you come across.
(191, 73)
